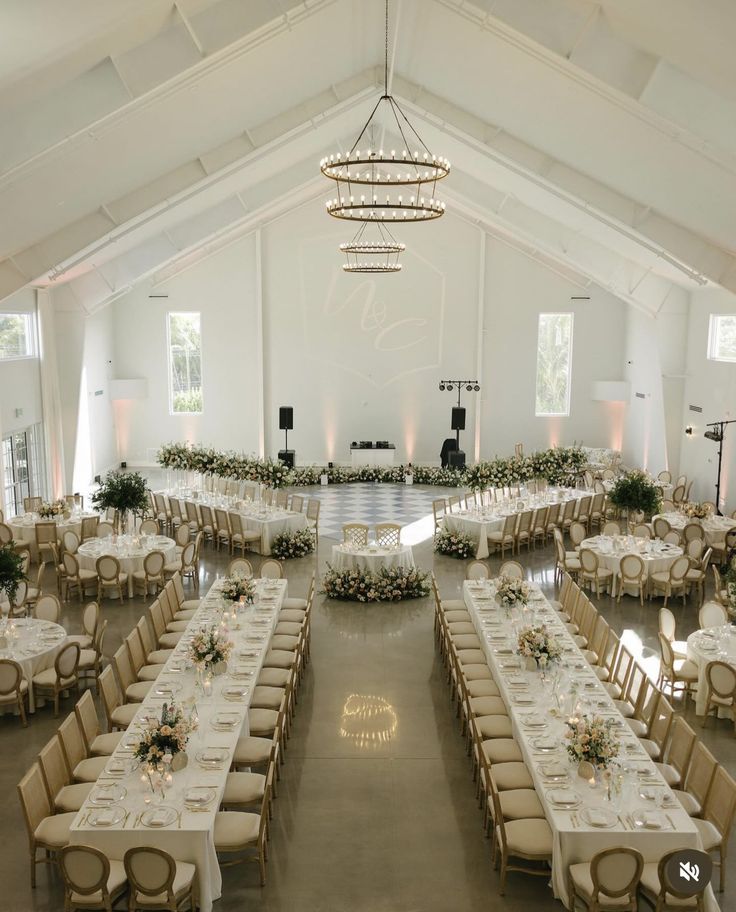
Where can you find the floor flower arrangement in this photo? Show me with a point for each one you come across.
(454, 544)
(387, 585)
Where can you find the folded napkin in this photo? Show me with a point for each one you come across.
(554, 769)
(651, 820)
(196, 796)
(212, 754)
(564, 797)
(105, 817)
(159, 817)
(596, 817)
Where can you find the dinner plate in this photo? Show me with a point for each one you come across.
(167, 690)
(199, 796)
(117, 767)
(600, 818)
(158, 817)
(108, 816)
(564, 798)
(226, 721)
(522, 699)
(666, 797)
(105, 795)
(554, 771)
(212, 757)
(546, 744)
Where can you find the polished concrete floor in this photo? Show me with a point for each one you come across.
(377, 808)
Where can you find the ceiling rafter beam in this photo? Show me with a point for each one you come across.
(190, 29)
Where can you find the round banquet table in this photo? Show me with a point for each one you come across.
(715, 527)
(372, 558)
(130, 554)
(658, 556)
(715, 644)
(24, 528)
(34, 645)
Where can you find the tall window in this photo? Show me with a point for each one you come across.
(722, 337)
(23, 461)
(185, 363)
(554, 363)
(17, 338)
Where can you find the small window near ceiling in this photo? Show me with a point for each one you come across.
(185, 364)
(554, 364)
(722, 337)
(17, 338)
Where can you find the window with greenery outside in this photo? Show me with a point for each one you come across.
(185, 362)
(124, 492)
(635, 493)
(11, 570)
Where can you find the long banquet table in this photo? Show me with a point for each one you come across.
(478, 523)
(255, 516)
(190, 837)
(527, 698)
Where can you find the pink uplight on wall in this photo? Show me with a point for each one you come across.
(615, 412)
(121, 409)
(554, 427)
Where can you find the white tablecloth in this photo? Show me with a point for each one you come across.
(270, 522)
(610, 550)
(24, 529)
(571, 843)
(191, 837)
(478, 523)
(131, 556)
(371, 559)
(372, 457)
(34, 645)
(716, 644)
(715, 527)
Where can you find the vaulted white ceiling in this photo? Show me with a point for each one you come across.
(598, 136)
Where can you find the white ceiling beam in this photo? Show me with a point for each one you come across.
(188, 25)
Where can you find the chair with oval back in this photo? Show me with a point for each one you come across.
(157, 881)
(657, 887)
(90, 622)
(511, 568)
(477, 570)
(152, 573)
(91, 880)
(610, 880)
(641, 530)
(186, 565)
(673, 537)
(271, 569)
(592, 572)
(720, 681)
(631, 573)
(70, 541)
(670, 582)
(18, 605)
(48, 608)
(13, 687)
(61, 676)
(611, 528)
(661, 527)
(149, 527)
(667, 627)
(692, 530)
(678, 495)
(105, 529)
(242, 566)
(712, 614)
(110, 576)
(674, 671)
(76, 577)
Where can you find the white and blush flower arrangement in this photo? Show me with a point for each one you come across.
(592, 740)
(237, 586)
(164, 738)
(539, 644)
(210, 647)
(510, 591)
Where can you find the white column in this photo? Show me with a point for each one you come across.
(50, 398)
(480, 333)
(260, 367)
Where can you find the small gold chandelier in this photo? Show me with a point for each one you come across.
(383, 254)
(368, 180)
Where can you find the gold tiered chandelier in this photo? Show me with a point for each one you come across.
(379, 187)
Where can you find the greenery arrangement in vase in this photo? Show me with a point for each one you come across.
(124, 492)
(634, 493)
(11, 570)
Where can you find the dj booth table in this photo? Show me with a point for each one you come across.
(372, 456)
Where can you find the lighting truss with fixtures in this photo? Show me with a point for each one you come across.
(368, 180)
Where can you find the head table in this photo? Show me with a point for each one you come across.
(130, 550)
(190, 834)
(658, 556)
(644, 814)
(477, 523)
(34, 644)
(371, 557)
(256, 516)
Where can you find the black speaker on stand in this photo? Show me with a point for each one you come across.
(457, 457)
(286, 424)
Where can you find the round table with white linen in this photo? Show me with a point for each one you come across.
(715, 644)
(658, 556)
(34, 644)
(24, 528)
(714, 527)
(131, 551)
(372, 558)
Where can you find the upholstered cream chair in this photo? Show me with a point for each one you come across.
(149, 527)
(96, 742)
(133, 690)
(679, 753)
(77, 578)
(313, 506)
(240, 537)
(592, 572)
(63, 794)
(118, 716)
(91, 880)
(13, 687)
(692, 530)
(720, 682)
(240, 833)
(674, 671)
(656, 886)
(46, 831)
(698, 780)
(271, 569)
(82, 767)
(240, 566)
(518, 841)
(62, 676)
(46, 535)
(670, 582)
(718, 812)
(152, 573)
(661, 527)
(712, 614)
(157, 881)
(297, 503)
(506, 536)
(477, 570)
(610, 880)
(142, 670)
(667, 627)
(631, 575)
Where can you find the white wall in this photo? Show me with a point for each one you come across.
(517, 289)
(222, 288)
(20, 381)
(712, 386)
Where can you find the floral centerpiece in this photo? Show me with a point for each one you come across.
(454, 544)
(11, 570)
(49, 509)
(694, 510)
(592, 741)
(289, 545)
(210, 649)
(389, 584)
(538, 643)
(165, 739)
(510, 591)
(237, 587)
(635, 492)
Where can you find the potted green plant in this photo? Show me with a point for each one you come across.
(124, 492)
(636, 495)
(11, 570)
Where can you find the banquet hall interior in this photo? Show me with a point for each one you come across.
(367, 535)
